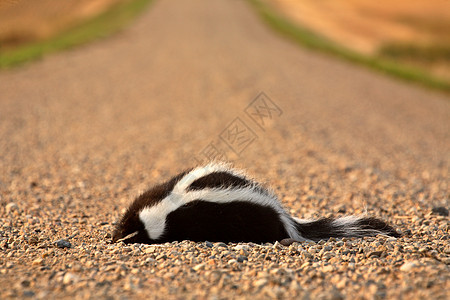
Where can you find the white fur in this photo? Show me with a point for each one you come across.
(347, 225)
(302, 221)
(345, 221)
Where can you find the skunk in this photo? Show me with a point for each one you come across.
(217, 203)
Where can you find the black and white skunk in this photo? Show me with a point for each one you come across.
(217, 203)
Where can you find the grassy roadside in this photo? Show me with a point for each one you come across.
(314, 41)
(101, 26)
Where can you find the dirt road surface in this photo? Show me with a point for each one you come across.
(84, 131)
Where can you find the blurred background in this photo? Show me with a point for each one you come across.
(413, 33)
(28, 21)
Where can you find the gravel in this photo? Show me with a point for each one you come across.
(412, 266)
(85, 131)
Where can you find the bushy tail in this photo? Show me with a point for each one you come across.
(349, 226)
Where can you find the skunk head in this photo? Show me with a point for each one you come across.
(130, 229)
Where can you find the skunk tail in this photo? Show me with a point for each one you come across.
(349, 226)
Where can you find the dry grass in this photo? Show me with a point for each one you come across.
(408, 31)
(24, 22)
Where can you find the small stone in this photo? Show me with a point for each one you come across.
(241, 258)
(199, 267)
(243, 252)
(445, 260)
(273, 292)
(37, 262)
(287, 242)
(423, 250)
(342, 283)
(277, 245)
(63, 244)
(169, 276)
(209, 244)
(440, 210)
(328, 269)
(220, 244)
(161, 256)
(149, 250)
(70, 278)
(25, 283)
(33, 240)
(342, 208)
(241, 247)
(260, 282)
(28, 294)
(408, 266)
(376, 253)
(11, 206)
(304, 265)
(334, 294)
(294, 286)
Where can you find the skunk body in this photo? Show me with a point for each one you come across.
(217, 203)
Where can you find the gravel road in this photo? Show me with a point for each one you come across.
(84, 131)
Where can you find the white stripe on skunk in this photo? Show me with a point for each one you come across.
(217, 203)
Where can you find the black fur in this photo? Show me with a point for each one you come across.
(218, 180)
(231, 222)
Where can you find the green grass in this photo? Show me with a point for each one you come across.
(314, 41)
(101, 26)
(432, 53)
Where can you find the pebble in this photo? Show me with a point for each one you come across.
(408, 266)
(440, 210)
(328, 268)
(11, 206)
(28, 294)
(199, 267)
(241, 247)
(63, 244)
(37, 262)
(220, 244)
(375, 253)
(241, 258)
(260, 282)
(70, 278)
(149, 250)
